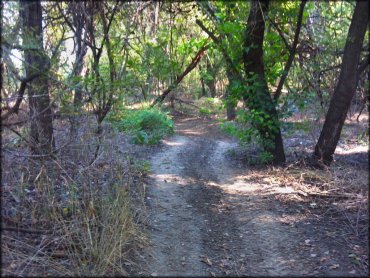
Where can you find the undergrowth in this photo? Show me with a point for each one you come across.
(250, 139)
(210, 106)
(61, 218)
(146, 126)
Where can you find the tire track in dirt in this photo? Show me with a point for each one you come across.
(195, 231)
(174, 229)
(207, 219)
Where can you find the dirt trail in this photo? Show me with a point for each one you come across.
(207, 219)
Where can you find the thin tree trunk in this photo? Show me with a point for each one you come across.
(211, 82)
(230, 103)
(81, 49)
(204, 93)
(346, 87)
(36, 62)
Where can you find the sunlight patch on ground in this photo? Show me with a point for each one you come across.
(172, 143)
(238, 184)
(284, 190)
(191, 132)
(241, 185)
(264, 217)
(357, 149)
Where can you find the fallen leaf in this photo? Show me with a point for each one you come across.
(334, 266)
(206, 261)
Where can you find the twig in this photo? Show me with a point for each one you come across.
(29, 231)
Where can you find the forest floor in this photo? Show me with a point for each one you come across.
(205, 210)
(211, 214)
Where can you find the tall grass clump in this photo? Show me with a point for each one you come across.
(82, 226)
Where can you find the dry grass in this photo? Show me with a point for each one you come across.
(62, 217)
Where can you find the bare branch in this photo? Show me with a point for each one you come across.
(292, 51)
(20, 95)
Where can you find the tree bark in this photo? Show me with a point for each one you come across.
(36, 62)
(346, 87)
(211, 84)
(78, 19)
(204, 93)
(230, 101)
(257, 97)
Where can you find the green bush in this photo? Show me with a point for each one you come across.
(248, 136)
(146, 126)
(210, 106)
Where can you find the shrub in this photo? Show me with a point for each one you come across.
(210, 106)
(248, 136)
(146, 126)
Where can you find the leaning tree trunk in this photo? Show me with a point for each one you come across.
(258, 97)
(346, 87)
(36, 62)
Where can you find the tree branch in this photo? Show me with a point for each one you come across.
(20, 95)
(188, 69)
(292, 51)
(281, 34)
(224, 52)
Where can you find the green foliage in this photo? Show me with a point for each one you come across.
(204, 111)
(210, 106)
(146, 126)
(141, 167)
(244, 129)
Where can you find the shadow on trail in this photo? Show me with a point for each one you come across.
(206, 219)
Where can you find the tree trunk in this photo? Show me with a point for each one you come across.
(258, 97)
(230, 103)
(78, 19)
(204, 93)
(211, 82)
(36, 61)
(346, 87)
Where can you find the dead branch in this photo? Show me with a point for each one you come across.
(20, 95)
(29, 231)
